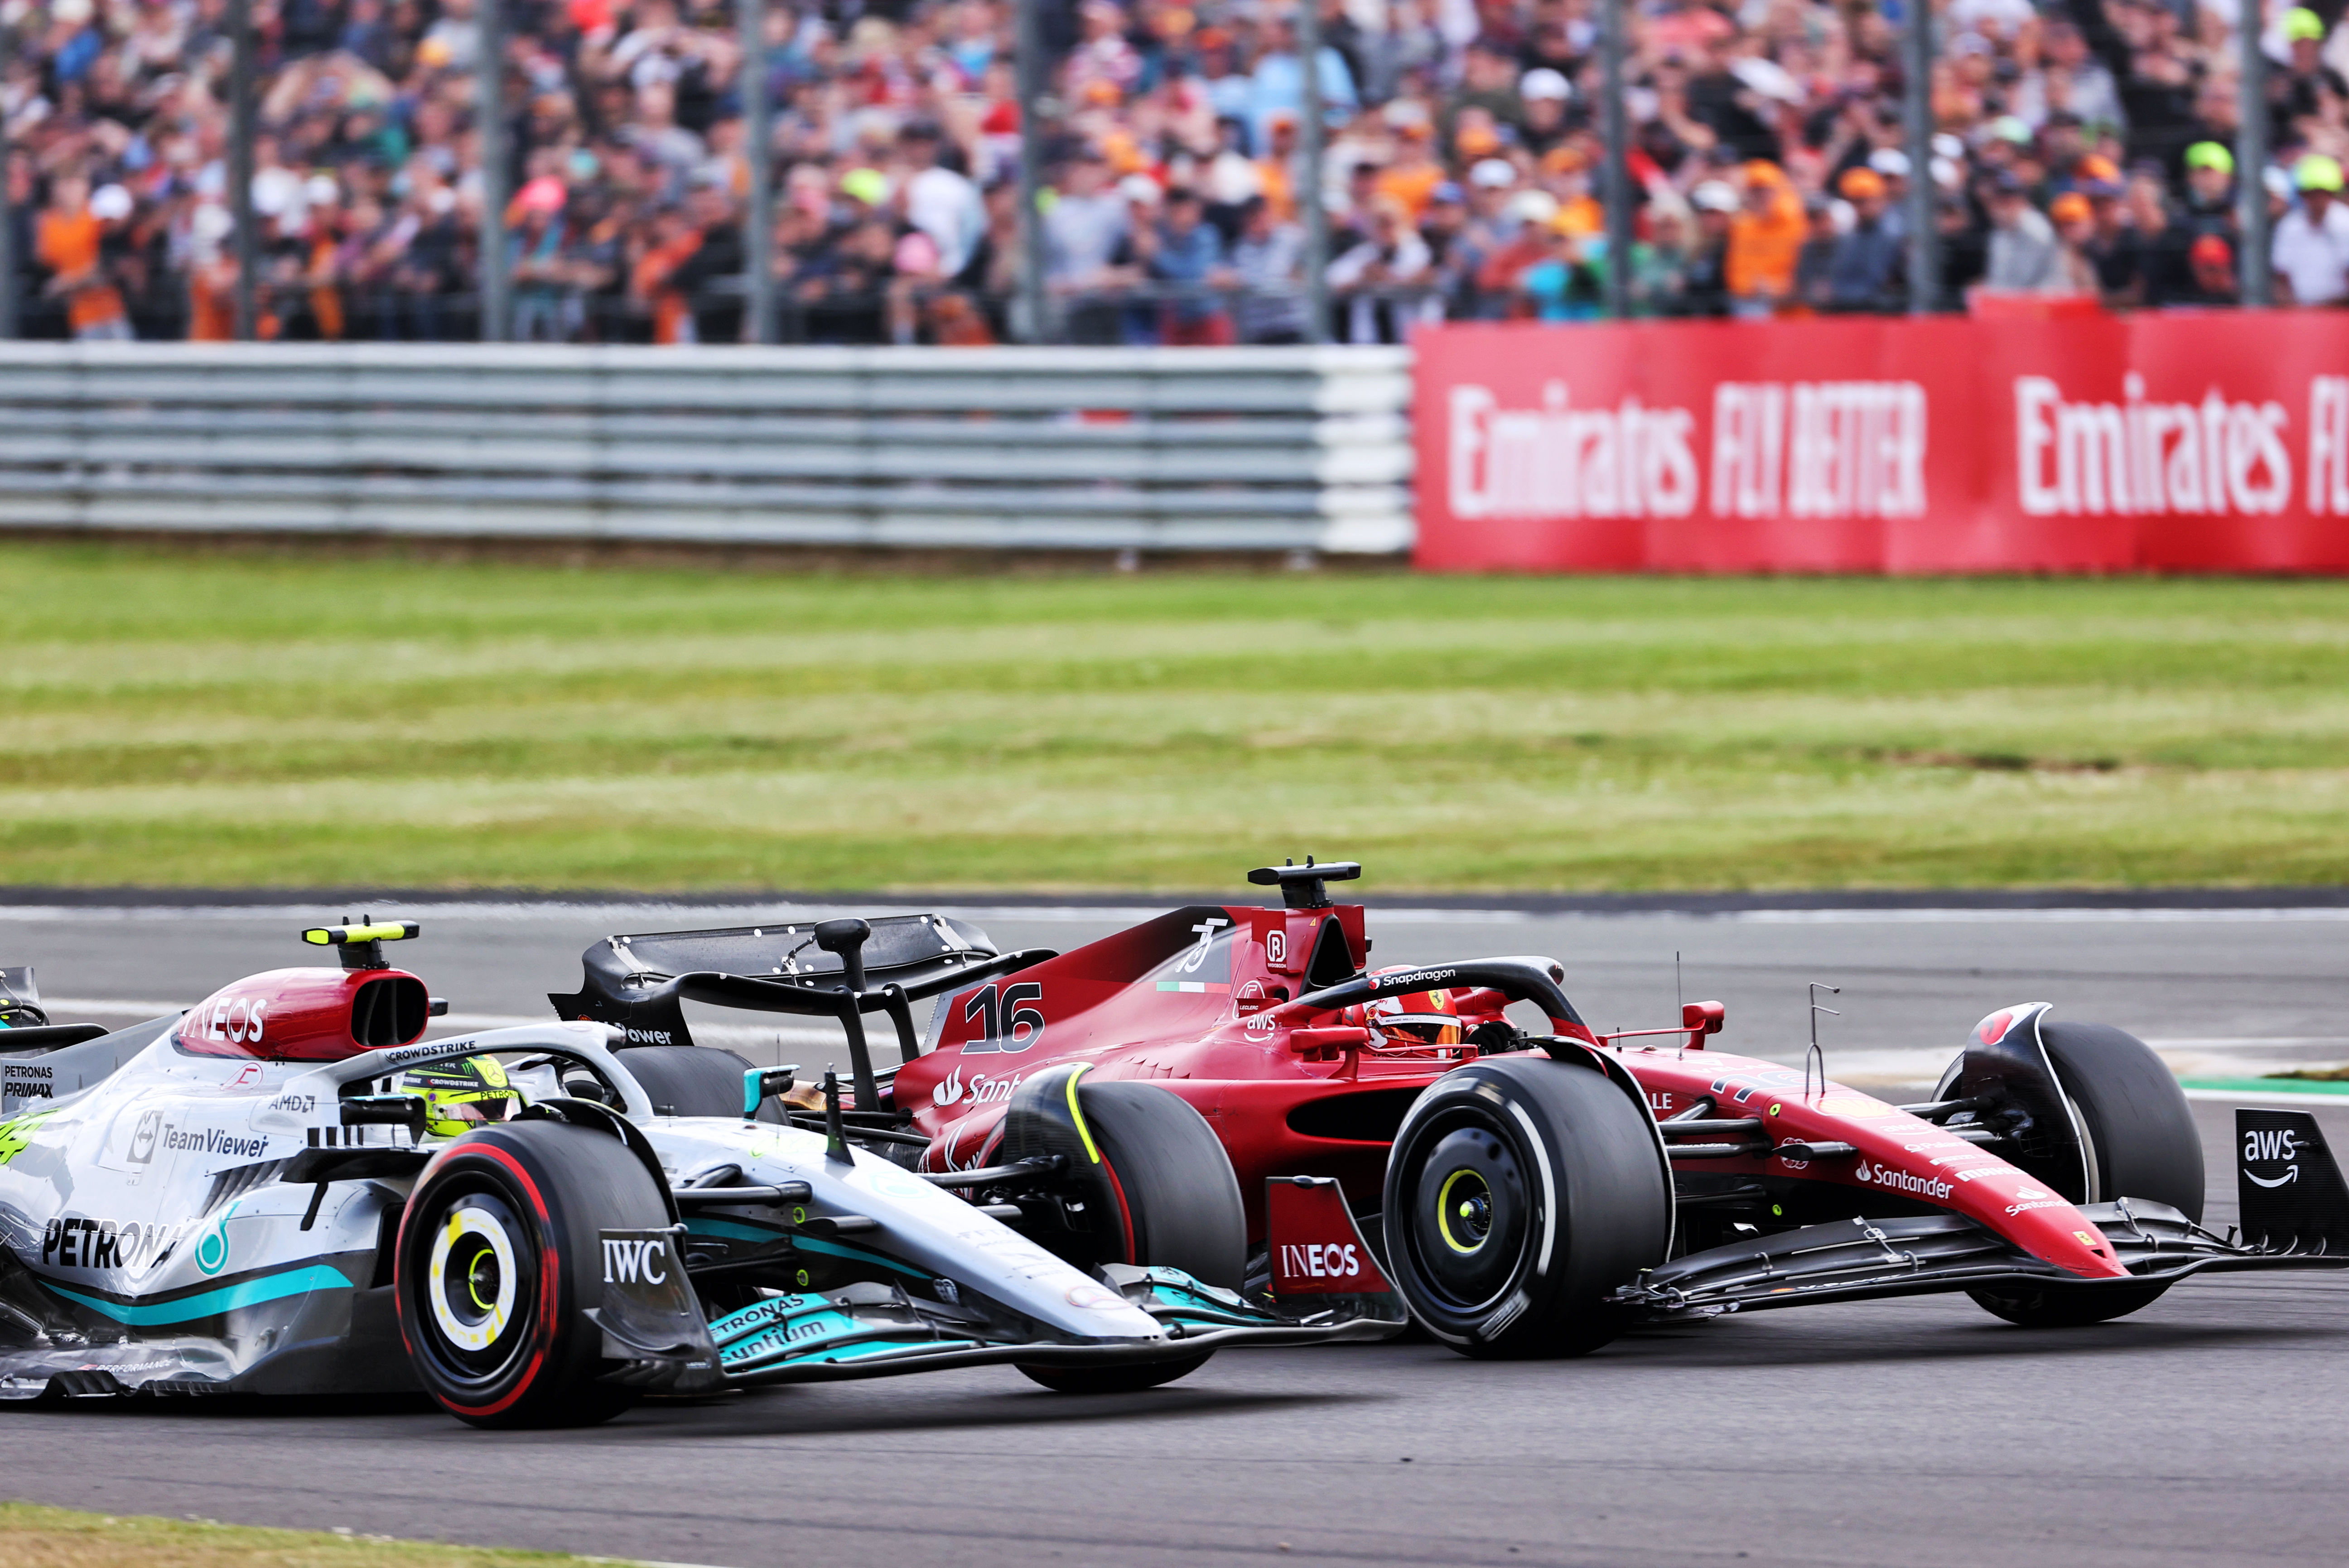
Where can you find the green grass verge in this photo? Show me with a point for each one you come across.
(37, 1537)
(216, 720)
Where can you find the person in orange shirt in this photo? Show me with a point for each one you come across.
(1275, 170)
(65, 241)
(1414, 174)
(211, 299)
(1766, 239)
(1566, 174)
(212, 280)
(673, 239)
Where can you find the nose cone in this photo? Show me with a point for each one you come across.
(2052, 1229)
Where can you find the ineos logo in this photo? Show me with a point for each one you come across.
(1321, 1261)
(627, 1262)
(237, 1020)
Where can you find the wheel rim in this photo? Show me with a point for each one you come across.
(478, 1287)
(1463, 1211)
(1468, 1220)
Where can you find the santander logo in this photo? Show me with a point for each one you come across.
(981, 1090)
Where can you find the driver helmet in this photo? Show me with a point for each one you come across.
(462, 1094)
(1427, 1016)
(16, 1014)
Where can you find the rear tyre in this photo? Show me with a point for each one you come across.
(1519, 1193)
(498, 1262)
(2139, 1136)
(1178, 1207)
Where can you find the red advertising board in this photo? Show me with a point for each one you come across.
(2189, 441)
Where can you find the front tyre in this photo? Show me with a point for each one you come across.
(498, 1263)
(1520, 1193)
(2138, 1140)
(1173, 1203)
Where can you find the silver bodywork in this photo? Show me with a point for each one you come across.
(153, 1242)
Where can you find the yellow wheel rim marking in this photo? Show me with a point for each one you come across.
(483, 1335)
(1443, 1209)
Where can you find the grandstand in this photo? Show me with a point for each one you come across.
(604, 184)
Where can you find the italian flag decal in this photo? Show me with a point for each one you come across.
(1196, 987)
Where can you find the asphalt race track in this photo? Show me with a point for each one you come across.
(2206, 1428)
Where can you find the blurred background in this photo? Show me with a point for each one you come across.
(831, 172)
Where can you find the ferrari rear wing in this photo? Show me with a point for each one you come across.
(838, 969)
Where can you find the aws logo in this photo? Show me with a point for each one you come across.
(2264, 1145)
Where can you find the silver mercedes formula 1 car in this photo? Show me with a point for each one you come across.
(281, 1191)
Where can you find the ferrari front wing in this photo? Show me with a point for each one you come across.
(1861, 1259)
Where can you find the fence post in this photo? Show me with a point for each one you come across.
(1029, 65)
(489, 82)
(1924, 193)
(1311, 128)
(2251, 160)
(247, 233)
(1615, 183)
(758, 153)
(8, 217)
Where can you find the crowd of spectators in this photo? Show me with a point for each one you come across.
(2081, 147)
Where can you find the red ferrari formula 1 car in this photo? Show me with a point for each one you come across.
(1526, 1191)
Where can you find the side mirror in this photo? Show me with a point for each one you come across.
(1700, 1018)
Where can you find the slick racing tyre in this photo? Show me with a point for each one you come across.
(499, 1262)
(2138, 1136)
(1520, 1193)
(1178, 1208)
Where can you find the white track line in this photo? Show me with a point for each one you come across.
(654, 917)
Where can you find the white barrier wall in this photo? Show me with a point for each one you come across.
(1217, 449)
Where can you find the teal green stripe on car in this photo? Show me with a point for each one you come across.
(211, 1304)
(842, 1250)
(728, 1228)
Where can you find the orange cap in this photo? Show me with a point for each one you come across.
(1476, 141)
(2070, 207)
(1762, 171)
(1860, 184)
(1563, 159)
